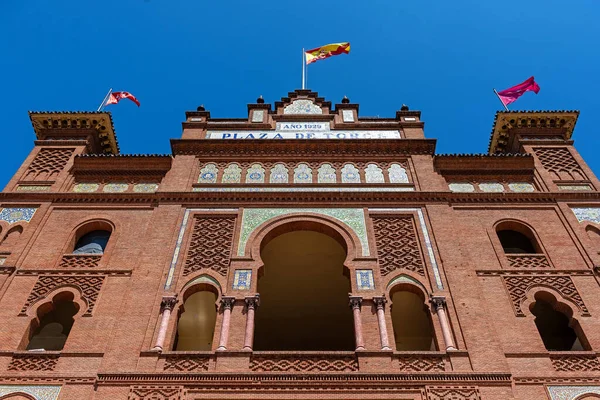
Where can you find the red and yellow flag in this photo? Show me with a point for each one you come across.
(323, 52)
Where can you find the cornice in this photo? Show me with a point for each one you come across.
(122, 165)
(387, 199)
(302, 148)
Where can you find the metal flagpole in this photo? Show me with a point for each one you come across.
(303, 70)
(104, 101)
(506, 108)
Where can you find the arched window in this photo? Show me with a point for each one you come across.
(93, 242)
(558, 331)
(516, 238)
(12, 236)
(55, 323)
(196, 325)
(411, 319)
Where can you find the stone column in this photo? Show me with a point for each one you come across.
(383, 335)
(227, 304)
(355, 303)
(439, 303)
(166, 306)
(251, 304)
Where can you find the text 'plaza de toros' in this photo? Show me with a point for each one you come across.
(301, 253)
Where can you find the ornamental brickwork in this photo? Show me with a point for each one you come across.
(303, 252)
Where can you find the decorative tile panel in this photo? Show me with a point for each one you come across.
(326, 174)
(364, 279)
(115, 187)
(493, 187)
(85, 187)
(575, 188)
(348, 115)
(302, 107)
(397, 174)
(2, 260)
(461, 187)
(304, 189)
(12, 215)
(33, 188)
(208, 174)
(350, 174)
(302, 174)
(279, 174)
(242, 279)
(591, 214)
(232, 174)
(521, 187)
(571, 392)
(254, 217)
(258, 115)
(255, 174)
(374, 174)
(145, 187)
(39, 392)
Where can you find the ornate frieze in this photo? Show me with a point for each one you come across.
(17, 214)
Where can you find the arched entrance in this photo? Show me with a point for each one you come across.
(304, 295)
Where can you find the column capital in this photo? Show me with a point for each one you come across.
(438, 302)
(252, 301)
(168, 303)
(355, 302)
(379, 302)
(227, 302)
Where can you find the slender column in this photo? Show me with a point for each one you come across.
(355, 303)
(166, 306)
(251, 304)
(227, 304)
(439, 303)
(383, 335)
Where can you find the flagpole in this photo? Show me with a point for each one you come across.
(303, 70)
(104, 100)
(506, 108)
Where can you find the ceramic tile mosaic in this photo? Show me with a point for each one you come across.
(350, 174)
(179, 241)
(255, 174)
(12, 215)
(115, 187)
(493, 187)
(521, 187)
(302, 174)
(348, 115)
(461, 187)
(374, 174)
(406, 279)
(38, 392)
(242, 279)
(208, 174)
(397, 174)
(86, 187)
(232, 174)
(575, 188)
(571, 392)
(279, 174)
(2, 260)
(258, 115)
(145, 187)
(304, 189)
(428, 244)
(326, 174)
(591, 214)
(33, 188)
(364, 279)
(302, 107)
(252, 218)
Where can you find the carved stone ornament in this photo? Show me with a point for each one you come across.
(438, 302)
(355, 302)
(252, 302)
(379, 302)
(168, 303)
(227, 302)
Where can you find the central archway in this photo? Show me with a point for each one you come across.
(304, 295)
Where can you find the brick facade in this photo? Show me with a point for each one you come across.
(408, 220)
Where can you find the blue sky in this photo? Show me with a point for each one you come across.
(440, 57)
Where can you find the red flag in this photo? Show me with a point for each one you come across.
(115, 97)
(509, 95)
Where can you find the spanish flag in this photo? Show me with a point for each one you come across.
(323, 52)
